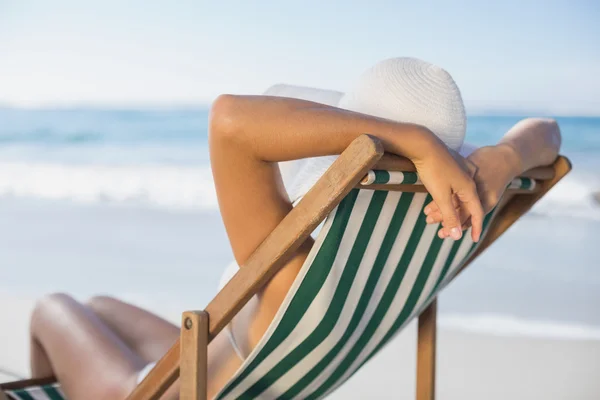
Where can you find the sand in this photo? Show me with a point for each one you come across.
(169, 262)
(470, 366)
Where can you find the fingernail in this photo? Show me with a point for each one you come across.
(441, 234)
(427, 210)
(429, 220)
(455, 233)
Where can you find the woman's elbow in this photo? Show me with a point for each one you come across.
(549, 127)
(554, 129)
(548, 121)
(223, 123)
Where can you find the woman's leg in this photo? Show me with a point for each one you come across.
(87, 357)
(148, 335)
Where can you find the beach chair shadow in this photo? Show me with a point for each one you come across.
(374, 267)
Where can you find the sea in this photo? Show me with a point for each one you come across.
(121, 202)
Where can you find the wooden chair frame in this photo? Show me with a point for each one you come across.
(187, 359)
(516, 203)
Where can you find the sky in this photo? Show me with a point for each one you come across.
(526, 56)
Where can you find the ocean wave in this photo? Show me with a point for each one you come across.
(46, 127)
(506, 325)
(45, 136)
(572, 197)
(188, 187)
(49, 137)
(156, 186)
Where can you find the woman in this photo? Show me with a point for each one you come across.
(102, 349)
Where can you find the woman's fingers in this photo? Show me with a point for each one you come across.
(476, 220)
(469, 213)
(466, 224)
(450, 217)
(455, 198)
(472, 205)
(430, 208)
(434, 215)
(436, 218)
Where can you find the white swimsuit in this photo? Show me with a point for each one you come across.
(237, 329)
(144, 372)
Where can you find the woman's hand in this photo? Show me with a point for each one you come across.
(495, 167)
(448, 178)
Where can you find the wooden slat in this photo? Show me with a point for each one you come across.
(540, 173)
(27, 383)
(390, 162)
(421, 188)
(193, 355)
(426, 349)
(3, 396)
(394, 187)
(161, 377)
(273, 253)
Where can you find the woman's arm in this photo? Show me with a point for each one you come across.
(532, 142)
(249, 134)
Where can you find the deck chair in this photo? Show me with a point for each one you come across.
(374, 267)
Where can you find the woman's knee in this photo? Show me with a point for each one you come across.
(50, 306)
(100, 304)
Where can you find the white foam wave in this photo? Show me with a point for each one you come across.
(159, 186)
(572, 197)
(191, 187)
(506, 325)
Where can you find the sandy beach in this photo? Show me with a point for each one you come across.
(516, 332)
(470, 366)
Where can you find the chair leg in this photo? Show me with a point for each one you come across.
(426, 353)
(193, 355)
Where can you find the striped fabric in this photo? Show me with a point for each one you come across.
(378, 177)
(522, 183)
(375, 265)
(48, 392)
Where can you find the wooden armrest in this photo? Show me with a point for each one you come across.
(391, 162)
(272, 254)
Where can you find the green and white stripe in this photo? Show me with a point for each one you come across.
(374, 267)
(47, 392)
(522, 183)
(379, 177)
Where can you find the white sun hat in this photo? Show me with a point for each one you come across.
(400, 89)
(411, 90)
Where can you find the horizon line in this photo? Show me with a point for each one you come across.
(189, 106)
